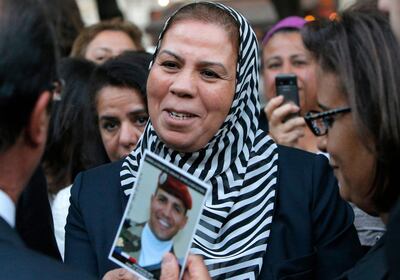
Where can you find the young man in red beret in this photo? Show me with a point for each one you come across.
(168, 215)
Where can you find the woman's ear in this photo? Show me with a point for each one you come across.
(37, 126)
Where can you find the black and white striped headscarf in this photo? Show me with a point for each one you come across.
(240, 163)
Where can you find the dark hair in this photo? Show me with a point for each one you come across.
(28, 64)
(66, 152)
(89, 33)
(67, 21)
(360, 48)
(207, 13)
(127, 70)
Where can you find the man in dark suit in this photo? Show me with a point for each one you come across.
(28, 76)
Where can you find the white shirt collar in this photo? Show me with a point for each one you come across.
(7, 208)
(153, 249)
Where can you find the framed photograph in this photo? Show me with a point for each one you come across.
(161, 216)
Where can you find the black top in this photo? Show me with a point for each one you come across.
(312, 234)
(392, 245)
(34, 221)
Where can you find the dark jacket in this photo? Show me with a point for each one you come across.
(373, 266)
(310, 218)
(17, 262)
(34, 220)
(312, 234)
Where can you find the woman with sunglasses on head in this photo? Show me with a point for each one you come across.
(359, 122)
(273, 210)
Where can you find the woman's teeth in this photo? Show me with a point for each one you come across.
(180, 116)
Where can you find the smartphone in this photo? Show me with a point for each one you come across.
(286, 85)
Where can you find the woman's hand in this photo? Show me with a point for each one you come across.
(283, 130)
(119, 274)
(195, 270)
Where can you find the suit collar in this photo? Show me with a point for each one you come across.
(9, 235)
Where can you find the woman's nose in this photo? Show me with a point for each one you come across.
(184, 84)
(129, 136)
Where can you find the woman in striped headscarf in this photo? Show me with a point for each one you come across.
(203, 106)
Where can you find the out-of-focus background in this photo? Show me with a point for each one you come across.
(150, 15)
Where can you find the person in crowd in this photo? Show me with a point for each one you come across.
(359, 118)
(79, 139)
(70, 147)
(392, 7)
(284, 53)
(34, 220)
(64, 156)
(273, 210)
(28, 73)
(118, 98)
(107, 39)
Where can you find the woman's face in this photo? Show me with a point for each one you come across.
(352, 162)
(285, 54)
(192, 84)
(122, 116)
(107, 44)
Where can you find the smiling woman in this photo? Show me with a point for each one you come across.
(203, 104)
(192, 84)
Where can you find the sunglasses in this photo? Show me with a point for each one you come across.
(320, 122)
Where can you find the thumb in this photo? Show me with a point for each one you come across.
(169, 267)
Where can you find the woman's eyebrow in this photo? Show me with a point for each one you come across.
(214, 64)
(168, 52)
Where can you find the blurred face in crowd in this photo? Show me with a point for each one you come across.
(192, 84)
(352, 162)
(122, 116)
(392, 7)
(107, 44)
(167, 215)
(285, 54)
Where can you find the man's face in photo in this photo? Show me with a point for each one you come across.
(167, 215)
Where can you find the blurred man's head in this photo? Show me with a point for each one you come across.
(169, 206)
(27, 75)
(392, 7)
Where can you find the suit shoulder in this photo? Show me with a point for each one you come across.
(31, 265)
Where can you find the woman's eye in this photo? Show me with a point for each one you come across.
(109, 126)
(299, 63)
(209, 74)
(142, 120)
(169, 64)
(273, 66)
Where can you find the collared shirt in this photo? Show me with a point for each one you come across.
(152, 249)
(7, 208)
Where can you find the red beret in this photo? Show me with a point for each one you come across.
(176, 188)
